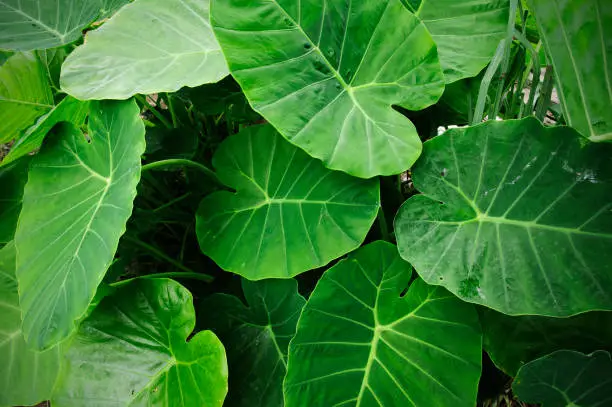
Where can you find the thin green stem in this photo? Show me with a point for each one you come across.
(171, 109)
(506, 60)
(545, 94)
(486, 83)
(179, 162)
(184, 275)
(382, 223)
(535, 61)
(158, 115)
(172, 202)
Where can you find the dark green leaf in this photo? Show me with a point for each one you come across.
(567, 379)
(515, 217)
(290, 214)
(75, 206)
(133, 351)
(361, 342)
(577, 35)
(326, 75)
(12, 179)
(148, 46)
(163, 143)
(256, 337)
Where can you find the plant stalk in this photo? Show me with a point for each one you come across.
(186, 275)
(179, 162)
(158, 115)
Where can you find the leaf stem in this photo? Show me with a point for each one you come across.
(545, 94)
(486, 83)
(143, 100)
(382, 223)
(505, 61)
(179, 162)
(172, 112)
(181, 274)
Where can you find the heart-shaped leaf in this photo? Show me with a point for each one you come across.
(24, 94)
(133, 351)
(76, 204)
(26, 377)
(257, 337)
(566, 379)
(326, 74)
(577, 35)
(290, 214)
(361, 342)
(514, 216)
(148, 46)
(466, 33)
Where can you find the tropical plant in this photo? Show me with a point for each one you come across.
(305, 203)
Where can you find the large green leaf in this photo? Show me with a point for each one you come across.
(133, 351)
(26, 377)
(577, 35)
(514, 341)
(69, 109)
(290, 214)
(362, 342)
(148, 46)
(38, 24)
(24, 94)
(466, 33)
(256, 337)
(514, 216)
(13, 179)
(567, 379)
(76, 203)
(326, 75)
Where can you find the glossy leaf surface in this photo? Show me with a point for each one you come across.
(515, 217)
(577, 35)
(26, 377)
(290, 214)
(133, 351)
(466, 32)
(257, 337)
(24, 94)
(12, 179)
(513, 341)
(76, 203)
(360, 342)
(38, 24)
(127, 56)
(69, 109)
(325, 74)
(566, 379)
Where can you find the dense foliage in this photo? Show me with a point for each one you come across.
(305, 203)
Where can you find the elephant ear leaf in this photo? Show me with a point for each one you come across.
(513, 216)
(133, 350)
(361, 341)
(326, 74)
(566, 379)
(256, 336)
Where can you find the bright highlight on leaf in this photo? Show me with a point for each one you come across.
(290, 214)
(515, 217)
(326, 74)
(360, 342)
(76, 203)
(148, 46)
(256, 337)
(133, 351)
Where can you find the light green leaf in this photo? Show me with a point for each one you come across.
(38, 24)
(577, 35)
(133, 351)
(69, 109)
(256, 337)
(109, 7)
(26, 377)
(514, 216)
(76, 203)
(24, 94)
(466, 32)
(12, 179)
(566, 379)
(290, 214)
(326, 75)
(514, 341)
(148, 46)
(361, 342)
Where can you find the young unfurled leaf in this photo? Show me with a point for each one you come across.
(326, 74)
(361, 342)
(256, 337)
(76, 204)
(148, 46)
(515, 217)
(290, 214)
(133, 351)
(566, 379)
